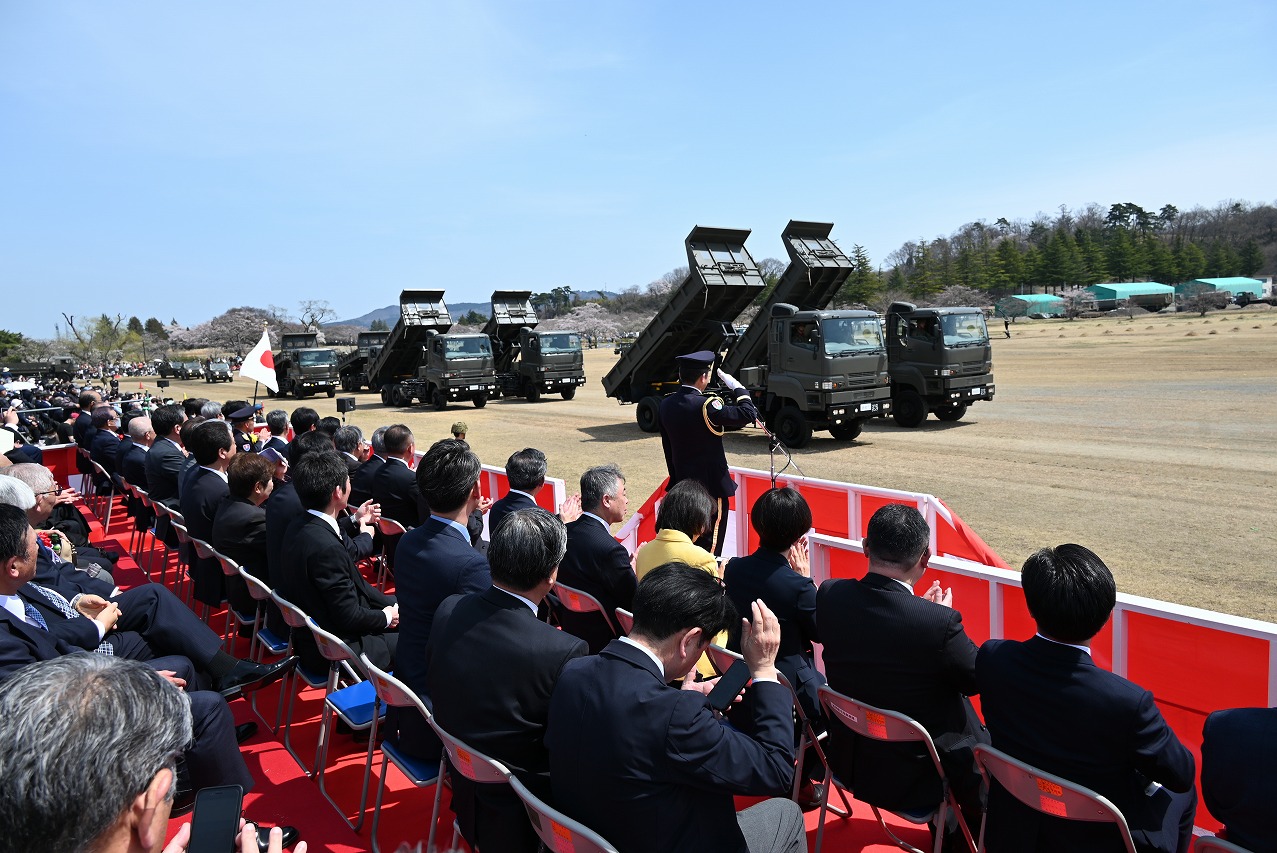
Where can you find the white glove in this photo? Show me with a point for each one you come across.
(730, 381)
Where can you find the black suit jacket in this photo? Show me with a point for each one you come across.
(133, 465)
(22, 644)
(361, 480)
(1239, 750)
(692, 451)
(320, 578)
(504, 714)
(651, 768)
(599, 565)
(278, 444)
(202, 493)
(887, 647)
(512, 502)
(105, 445)
(239, 532)
(394, 486)
(163, 464)
(1050, 705)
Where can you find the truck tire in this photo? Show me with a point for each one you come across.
(908, 409)
(481, 400)
(332, 392)
(847, 430)
(385, 395)
(951, 411)
(792, 428)
(648, 414)
(569, 393)
(532, 392)
(440, 400)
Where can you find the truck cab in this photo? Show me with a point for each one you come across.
(302, 367)
(549, 363)
(940, 361)
(457, 367)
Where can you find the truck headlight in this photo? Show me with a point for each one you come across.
(826, 386)
(944, 371)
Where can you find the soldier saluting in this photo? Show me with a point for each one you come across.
(692, 424)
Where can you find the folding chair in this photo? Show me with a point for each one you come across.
(296, 618)
(231, 569)
(722, 659)
(1215, 844)
(556, 830)
(1046, 793)
(392, 691)
(356, 706)
(577, 601)
(892, 727)
(263, 639)
(624, 620)
(164, 514)
(183, 578)
(204, 551)
(390, 531)
(84, 466)
(97, 494)
(473, 765)
(142, 525)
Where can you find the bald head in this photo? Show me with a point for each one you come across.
(140, 430)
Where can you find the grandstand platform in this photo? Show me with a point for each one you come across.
(1195, 661)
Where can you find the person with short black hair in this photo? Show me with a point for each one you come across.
(595, 562)
(685, 513)
(303, 419)
(202, 489)
(394, 486)
(650, 767)
(329, 425)
(504, 714)
(239, 526)
(319, 576)
(525, 470)
(1047, 703)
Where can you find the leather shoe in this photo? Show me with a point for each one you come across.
(810, 796)
(291, 837)
(244, 731)
(246, 675)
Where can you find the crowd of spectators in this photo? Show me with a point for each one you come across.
(614, 728)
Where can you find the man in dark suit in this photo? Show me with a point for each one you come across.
(525, 471)
(393, 486)
(504, 714)
(104, 443)
(888, 647)
(277, 423)
(692, 426)
(595, 562)
(201, 494)
(435, 561)
(239, 526)
(320, 577)
(349, 441)
(652, 768)
(1048, 704)
(361, 480)
(1238, 748)
(164, 463)
(132, 467)
(83, 426)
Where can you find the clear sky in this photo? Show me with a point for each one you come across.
(179, 159)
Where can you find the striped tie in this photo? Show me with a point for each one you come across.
(34, 617)
(64, 607)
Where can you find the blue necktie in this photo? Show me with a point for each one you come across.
(34, 617)
(64, 607)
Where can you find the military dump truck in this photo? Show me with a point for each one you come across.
(940, 361)
(421, 361)
(57, 367)
(353, 366)
(303, 367)
(805, 368)
(531, 363)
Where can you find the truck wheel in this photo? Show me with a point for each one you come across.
(532, 392)
(648, 414)
(951, 411)
(332, 392)
(792, 428)
(908, 408)
(481, 400)
(385, 395)
(569, 393)
(846, 431)
(440, 400)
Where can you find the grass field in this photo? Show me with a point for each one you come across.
(1152, 441)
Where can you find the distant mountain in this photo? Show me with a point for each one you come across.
(457, 309)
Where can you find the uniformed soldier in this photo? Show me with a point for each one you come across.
(692, 424)
(242, 427)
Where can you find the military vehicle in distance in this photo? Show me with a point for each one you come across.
(421, 361)
(218, 371)
(940, 361)
(56, 367)
(531, 363)
(353, 366)
(303, 367)
(190, 370)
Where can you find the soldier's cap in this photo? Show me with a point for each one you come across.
(704, 358)
(459, 428)
(243, 414)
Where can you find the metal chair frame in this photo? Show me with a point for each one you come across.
(892, 727)
(257, 647)
(472, 764)
(556, 830)
(389, 529)
(1215, 844)
(162, 512)
(624, 620)
(1051, 795)
(576, 601)
(296, 618)
(110, 496)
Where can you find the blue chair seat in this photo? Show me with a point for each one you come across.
(312, 679)
(271, 641)
(419, 770)
(244, 618)
(354, 704)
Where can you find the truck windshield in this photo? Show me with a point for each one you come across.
(851, 335)
(467, 348)
(316, 357)
(191, 365)
(220, 365)
(560, 343)
(961, 330)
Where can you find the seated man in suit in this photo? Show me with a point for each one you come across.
(202, 492)
(435, 561)
(502, 715)
(525, 469)
(277, 424)
(134, 722)
(394, 486)
(349, 441)
(320, 577)
(239, 527)
(1047, 703)
(1239, 746)
(889, 647)
(361, 480)
(651, 767)
(131, 463)
(105, 441)
(595, 562)
(165, 458)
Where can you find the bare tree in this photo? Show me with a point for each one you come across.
(314, 313)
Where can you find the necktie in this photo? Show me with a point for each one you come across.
(64, 607)
(34, 617)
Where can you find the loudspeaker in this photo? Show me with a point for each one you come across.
(345, 404)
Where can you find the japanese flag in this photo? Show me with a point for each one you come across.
(260, 364)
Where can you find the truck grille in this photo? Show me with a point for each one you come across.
(857, 379)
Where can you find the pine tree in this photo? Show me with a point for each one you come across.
(1251, 259)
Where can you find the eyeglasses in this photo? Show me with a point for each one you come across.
(57, 491)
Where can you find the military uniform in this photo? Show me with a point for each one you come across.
(245, 442)
(242, 429)
(692, 426)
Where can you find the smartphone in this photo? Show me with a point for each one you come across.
(215, 820)
(729, 686)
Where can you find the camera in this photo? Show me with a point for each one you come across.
(345, 404)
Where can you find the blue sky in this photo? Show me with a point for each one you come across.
(176, 159)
